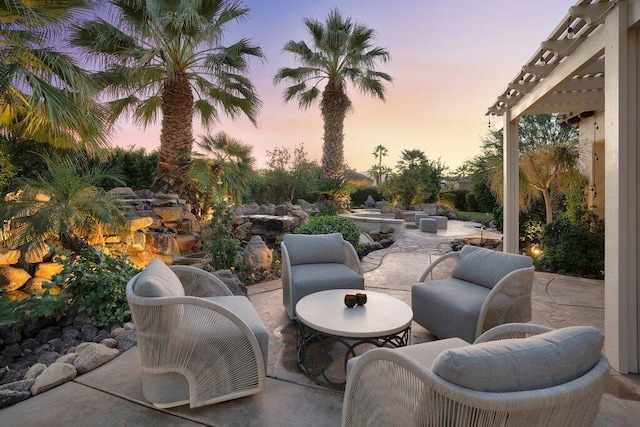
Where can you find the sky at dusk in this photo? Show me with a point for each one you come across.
(449, 61)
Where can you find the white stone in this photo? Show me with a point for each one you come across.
(92, 356)
(54, 375)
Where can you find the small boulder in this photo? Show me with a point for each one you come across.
(47, 270)
(34, 371)
(48, 357)
(54, 375)
(126, 340)
(12, 278)
(11, 397)
(257, 255)
(48, 334)
(67, 358)
(121, 191)
(92, 356)
(109, 342)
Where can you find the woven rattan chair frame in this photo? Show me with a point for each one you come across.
(516, 285)
(388, 388)
(213, 348)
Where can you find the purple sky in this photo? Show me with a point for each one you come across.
(449, 60)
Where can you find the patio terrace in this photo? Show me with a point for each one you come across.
(112, 394)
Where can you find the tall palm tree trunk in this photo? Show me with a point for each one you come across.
(547, 204)
(334, 105)
(176, 139)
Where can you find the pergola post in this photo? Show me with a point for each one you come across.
(621, 185)
(511, 184)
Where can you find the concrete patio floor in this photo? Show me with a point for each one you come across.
(112, 394)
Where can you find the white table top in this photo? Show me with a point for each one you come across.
(382, 314)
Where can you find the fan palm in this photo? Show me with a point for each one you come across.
(341, 52)
(166, 57)
(44, 95)
(61, 205)
(225, 164)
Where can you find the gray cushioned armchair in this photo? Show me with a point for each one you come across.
(463, 294)
(195, 350)
(513, 375)
(317, 262)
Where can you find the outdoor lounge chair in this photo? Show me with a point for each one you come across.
(317, 262)
(195, 350)
(463, 294)
(509, 377)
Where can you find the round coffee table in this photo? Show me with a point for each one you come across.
(324, 318)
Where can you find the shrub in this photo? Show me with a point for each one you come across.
(333, 224)
(573, 248)
(14, 314)
(359, 197)
(96, 282)
(460, 200)
(472, 203)
(448, 199)
(218, 241)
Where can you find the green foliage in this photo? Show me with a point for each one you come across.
(472, 202)
(335, 192)
(61, 204)
(289, 176)
(333, 224)
(7, 170)
(133, 165)
(96, 282)
(575, 248)
(449, 200)
(14, 314)
(460, 200)
(359, 196)
(531, 232)
(218, 242)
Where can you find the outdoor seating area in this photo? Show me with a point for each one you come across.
(289, 397)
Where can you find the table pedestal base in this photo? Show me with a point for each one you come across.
(308, 335)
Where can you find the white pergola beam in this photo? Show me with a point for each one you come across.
(584, 83)
(568, 68)
(574, 107)
(574, 96)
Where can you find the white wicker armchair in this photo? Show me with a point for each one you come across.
(195, 350)
(317, 262)
(398, 387)
(463, 294)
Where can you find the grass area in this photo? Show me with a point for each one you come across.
(473, 216)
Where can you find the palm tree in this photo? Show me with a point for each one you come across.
(549, 165)
(549, 156)
(166, 57)
(62, 205)
(226, 166)
(341, 52)
(411, 159)
(44, 95)
(379, 152)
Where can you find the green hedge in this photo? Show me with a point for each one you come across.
(333, 224)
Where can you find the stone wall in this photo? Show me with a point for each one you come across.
(158, 226)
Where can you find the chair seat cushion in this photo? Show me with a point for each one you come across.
(486, 267)
(537, 362)
(157, 280)
(242, 307)
(448, 307)
(310, 278)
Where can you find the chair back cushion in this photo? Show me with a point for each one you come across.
(486, 267)
(157, 280)
(314, 248)
(532, 363)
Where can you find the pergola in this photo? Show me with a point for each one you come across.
(587, 66)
